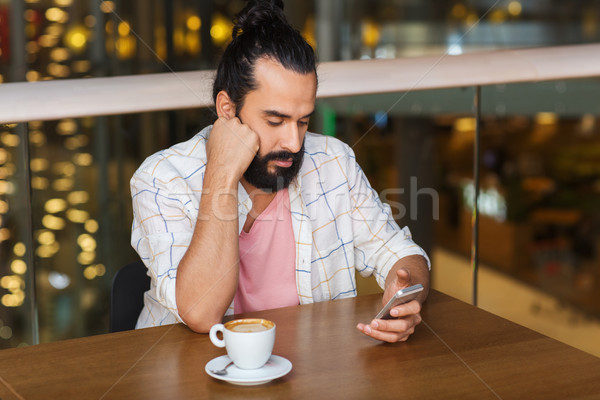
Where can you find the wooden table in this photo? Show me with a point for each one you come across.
(458, 352)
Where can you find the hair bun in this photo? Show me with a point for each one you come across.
(258, 14)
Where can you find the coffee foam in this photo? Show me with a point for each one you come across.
(249, 328)
(249, 325)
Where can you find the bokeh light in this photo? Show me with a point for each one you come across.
(86, 257)
(7, 187)
(515, 8)
(91, 226)
(39, 183)
(6, 332)
(39, 164)
(76, 38)
(77, 216)
(86, 242)
(55, 14)
(5, 234)
(8, 282)
(3, 156)
(63, 3)
(54, 223)
(78, 197)
(48, 251)
(64, 168)
(54, 206)
(220, 31)
(33, 76)
(89, 272)
(83, 159)
(3, 207)
(58, 280)
(63, 184)
(107, 6)
(9, 140)
(60, 54)
(19, 249)
(193, 23)
(66, 127)
(46, 237)
(18, 267)
(124, 29)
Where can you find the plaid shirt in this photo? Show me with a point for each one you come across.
(338, 220)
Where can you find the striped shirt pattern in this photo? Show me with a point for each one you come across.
(339, 223)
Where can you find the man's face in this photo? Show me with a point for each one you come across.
(278, 111)
(259, 172)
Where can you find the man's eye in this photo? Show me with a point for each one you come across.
(273, 123)
(302, 123)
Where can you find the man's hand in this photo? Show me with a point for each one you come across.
(231, 148)
(407, 316)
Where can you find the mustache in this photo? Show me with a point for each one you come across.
(281, 155)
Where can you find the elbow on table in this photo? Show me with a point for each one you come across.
(201, 327)
(201, 324)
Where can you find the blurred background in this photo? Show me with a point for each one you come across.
(540, 155)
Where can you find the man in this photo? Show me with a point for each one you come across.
(254, 212)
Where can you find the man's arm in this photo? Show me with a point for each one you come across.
(406, 272)
(207, 275)
(382, 242)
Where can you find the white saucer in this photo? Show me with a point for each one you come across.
(275, 368)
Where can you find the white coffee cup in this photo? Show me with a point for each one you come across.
(249, 342)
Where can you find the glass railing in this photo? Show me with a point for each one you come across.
(69, 148)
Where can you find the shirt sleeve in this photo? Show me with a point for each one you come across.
(378, 240)
(162, 231)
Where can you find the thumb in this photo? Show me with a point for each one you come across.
(402, 278)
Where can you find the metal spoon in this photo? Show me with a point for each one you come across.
(222, 371)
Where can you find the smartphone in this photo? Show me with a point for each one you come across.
(402, 296)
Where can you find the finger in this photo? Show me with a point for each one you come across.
(411, 308)
(406, 324)
(368, 331)
(386, 336)
(365, 328)
(391, 331)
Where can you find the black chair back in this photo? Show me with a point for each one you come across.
(127, 296)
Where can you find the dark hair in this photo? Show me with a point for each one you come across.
(261, 30)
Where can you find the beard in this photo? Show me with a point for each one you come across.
(259, 176)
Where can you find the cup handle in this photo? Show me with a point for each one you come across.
(213, 335)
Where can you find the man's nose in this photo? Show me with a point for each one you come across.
(292, 140)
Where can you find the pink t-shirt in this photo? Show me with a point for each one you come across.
(267, 260)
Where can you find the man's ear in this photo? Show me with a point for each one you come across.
(224, 105)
